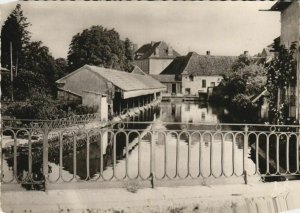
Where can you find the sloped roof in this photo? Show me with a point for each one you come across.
(195, 64)
(123, 80)
(137, 70)
(149, 51)
(280, 5)
(165, 78)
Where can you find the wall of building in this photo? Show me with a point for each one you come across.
(66, 96)
(290, 24)
(92, 99)
(169, 87)
(157, 65)
(143, 64)
(196, 85)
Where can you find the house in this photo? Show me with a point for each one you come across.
(197, 73)
(290, 33)
(172, 82)
(119, 89)
(154, 57)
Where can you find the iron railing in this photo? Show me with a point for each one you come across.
(60, 123)
(148, 151)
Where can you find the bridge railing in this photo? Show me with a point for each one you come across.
(148, 151)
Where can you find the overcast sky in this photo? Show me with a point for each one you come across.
(224, 28)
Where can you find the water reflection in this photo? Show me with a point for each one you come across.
(174, 144)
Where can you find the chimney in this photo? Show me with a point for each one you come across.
(170, 50)
(208, 52)
(246, 52)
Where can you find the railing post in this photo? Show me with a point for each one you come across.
(45, 153)
(152, 160)
(245, 154)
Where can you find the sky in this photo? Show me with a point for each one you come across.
(223, 28)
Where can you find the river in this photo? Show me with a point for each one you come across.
(167, 116)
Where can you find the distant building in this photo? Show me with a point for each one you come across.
(121, 90)
(197, 73)
(290, 33)
(154, 57)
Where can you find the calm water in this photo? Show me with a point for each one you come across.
(166, 152)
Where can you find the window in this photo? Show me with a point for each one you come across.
(187, 91)
(191, 78)
(203, 83)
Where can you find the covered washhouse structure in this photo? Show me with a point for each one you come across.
(113, 92)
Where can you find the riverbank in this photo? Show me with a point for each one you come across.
(256, 197)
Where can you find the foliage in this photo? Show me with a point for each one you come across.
(61, 68)
(281, 75)
(37, 69)
(101, 47)
(236, 90)
(242, 61)
(40, 62)
(39, 107)
(14, 31)
(42, 106)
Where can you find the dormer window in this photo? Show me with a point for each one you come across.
(191, 78)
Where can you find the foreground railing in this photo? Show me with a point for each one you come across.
(148, 151)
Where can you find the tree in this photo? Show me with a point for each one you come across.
(40, 61)
(14, 31)
(242, 61)
(246, 80)
(61, 65)
(281, 75)
(99, 46)
(128, 54)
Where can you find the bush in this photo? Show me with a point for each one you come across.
(41, 106)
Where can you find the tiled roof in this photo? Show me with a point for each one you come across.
(165, 78)
(155, 50)
(126, 81)
(196, 64)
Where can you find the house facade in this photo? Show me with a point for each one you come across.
(154, 57)
(172, 82)
(198, 74)
(290, 33)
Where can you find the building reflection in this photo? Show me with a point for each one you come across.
(187, 113)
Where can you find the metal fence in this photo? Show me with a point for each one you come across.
(147, 151)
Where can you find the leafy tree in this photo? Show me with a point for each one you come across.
(61, 65)
(40, 62)
(14, 31)
(281, 75)
(242, 61)
(246, 80)
(99, 46)
(128, 54)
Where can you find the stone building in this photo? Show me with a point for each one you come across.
(120, 90)
(196, 73)
(290, 33)
(154, 57)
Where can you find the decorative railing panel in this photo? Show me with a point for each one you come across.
(147, 151)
